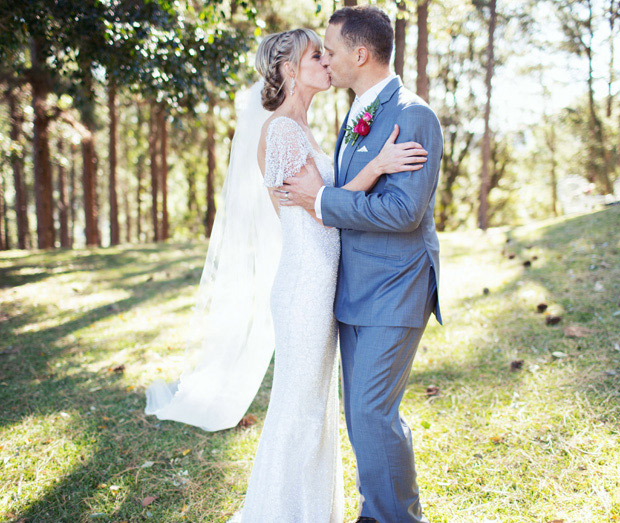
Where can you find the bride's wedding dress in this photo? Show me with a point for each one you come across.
(297, 471)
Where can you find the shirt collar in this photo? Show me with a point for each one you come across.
(369, 95)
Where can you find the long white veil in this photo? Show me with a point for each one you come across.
(230, 341)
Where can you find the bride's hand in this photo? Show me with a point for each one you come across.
(398, 157)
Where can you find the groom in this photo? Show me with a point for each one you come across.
(389, 267)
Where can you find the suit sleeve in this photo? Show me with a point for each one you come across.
(406, 195)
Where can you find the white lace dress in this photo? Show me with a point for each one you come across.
(297, 471)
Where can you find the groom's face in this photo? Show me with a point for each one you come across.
(339, 59)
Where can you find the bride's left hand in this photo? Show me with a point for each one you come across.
(398, 157)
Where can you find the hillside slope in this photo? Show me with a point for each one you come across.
(523, 425)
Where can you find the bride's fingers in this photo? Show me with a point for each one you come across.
(410, 145)
(414, 145)
(404, 160)
(394, 134)
(412, 167)
(410, 148)
(415, 159)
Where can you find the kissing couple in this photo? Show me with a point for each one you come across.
(358, 264)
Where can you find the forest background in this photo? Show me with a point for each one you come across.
(116, 116)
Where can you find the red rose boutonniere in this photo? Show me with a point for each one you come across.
(361, 125)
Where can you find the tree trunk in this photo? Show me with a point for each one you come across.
(192, 204)
(4, 236)
(210, 217)
(72, 197)
(599, 170)
(485, 179)
(193, 213)
(153, 140)
(114, 228)
(41, 151)
(63, 199)
(400, 39)
(554, 182)
(139, 175)
(612, 76)
(422, 83)
(126, 184)
(17, 163)
(452, 170)
(163, 130)
(89, 158)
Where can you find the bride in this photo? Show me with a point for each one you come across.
(296, 476)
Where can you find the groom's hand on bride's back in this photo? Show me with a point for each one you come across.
(301, 189)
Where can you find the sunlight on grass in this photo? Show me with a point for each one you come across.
(524, 427)
(38, 452)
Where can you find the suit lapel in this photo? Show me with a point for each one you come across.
(384, 96)
(338, 145)
(346, 158)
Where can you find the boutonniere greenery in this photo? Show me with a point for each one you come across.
(361, 125)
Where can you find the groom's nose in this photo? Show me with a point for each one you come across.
(324, 61)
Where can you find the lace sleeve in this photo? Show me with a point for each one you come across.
(286, 150)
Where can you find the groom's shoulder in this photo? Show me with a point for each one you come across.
(410, 104)
(408, 97)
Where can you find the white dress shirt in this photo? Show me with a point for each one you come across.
(359, 103)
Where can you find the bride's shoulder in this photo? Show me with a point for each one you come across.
(281, 125)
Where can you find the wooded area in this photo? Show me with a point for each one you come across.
(117, 117)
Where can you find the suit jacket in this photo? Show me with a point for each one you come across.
(389, 243)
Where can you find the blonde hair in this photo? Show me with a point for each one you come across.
(273, 51)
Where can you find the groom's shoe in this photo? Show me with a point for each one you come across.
(363, 519)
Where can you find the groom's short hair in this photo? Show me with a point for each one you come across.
(366, 26)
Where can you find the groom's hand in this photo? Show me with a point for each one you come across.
(301, 189)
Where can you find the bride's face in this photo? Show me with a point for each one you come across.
(311, 74)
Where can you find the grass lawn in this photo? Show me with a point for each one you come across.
(525, 426)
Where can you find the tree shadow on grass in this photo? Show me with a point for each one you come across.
(533, 440)
(512, 328)
(116, 447)
(27, 356)
(39, 265)
(128, 456)
(566, 258)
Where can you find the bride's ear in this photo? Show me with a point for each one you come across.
(288, 70)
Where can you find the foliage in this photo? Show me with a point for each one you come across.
(163, 49)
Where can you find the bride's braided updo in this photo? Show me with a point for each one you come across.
(273, 51)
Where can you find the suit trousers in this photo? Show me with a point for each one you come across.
(376, 362)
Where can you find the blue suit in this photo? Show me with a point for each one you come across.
(387, 289)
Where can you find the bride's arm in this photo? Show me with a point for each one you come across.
(275, 200)
(393, 158)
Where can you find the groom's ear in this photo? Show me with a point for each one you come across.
(362, 56)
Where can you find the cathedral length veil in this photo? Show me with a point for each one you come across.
(230, 341)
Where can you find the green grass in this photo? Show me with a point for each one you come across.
(536, 444)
